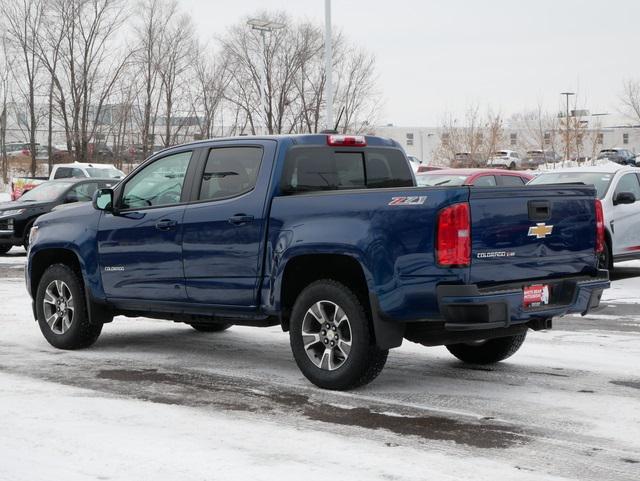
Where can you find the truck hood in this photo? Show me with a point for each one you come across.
(75, 210)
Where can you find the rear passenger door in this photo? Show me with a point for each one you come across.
(224, 225)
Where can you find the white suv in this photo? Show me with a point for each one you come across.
(81, 170)
(507, 159)
(618, 188)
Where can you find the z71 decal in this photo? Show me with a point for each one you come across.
(419, 200)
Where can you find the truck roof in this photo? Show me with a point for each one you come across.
(296, 139)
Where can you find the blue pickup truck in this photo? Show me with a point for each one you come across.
(326, 236)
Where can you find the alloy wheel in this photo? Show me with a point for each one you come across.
(58, 306)
(326, 334)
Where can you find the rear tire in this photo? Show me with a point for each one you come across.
(210, 327)
(489, 351)
(62, 311)
(605, 259)
(331, 337)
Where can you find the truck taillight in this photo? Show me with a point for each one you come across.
(453, 237)
(347, 140)
(599, 227)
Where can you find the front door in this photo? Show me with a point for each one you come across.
(626, 218)
(140, 246)
(224, 228)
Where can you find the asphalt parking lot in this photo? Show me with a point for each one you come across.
(197, 406)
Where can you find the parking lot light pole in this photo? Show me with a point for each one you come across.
(264, 26)
(328, 65)
(566, 120)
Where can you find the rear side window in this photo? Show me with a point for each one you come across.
(511, 180)
(485, 181)
(62, 173)
(310, 169)
(230, 171)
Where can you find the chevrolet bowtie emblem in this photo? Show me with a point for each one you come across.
(540, 230)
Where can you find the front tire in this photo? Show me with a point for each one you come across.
(489, 351)
(62, 310)
(331, 337)
(26, 239)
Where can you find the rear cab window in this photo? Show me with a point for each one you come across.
(313, 169)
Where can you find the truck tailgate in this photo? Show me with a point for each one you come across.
(535, 232)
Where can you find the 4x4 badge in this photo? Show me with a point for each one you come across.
(540, 230)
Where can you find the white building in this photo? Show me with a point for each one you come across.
(596, 132)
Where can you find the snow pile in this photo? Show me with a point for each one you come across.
(624, 290)
(570, 164)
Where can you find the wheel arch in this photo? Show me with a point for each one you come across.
(45, 258)
(302, 270)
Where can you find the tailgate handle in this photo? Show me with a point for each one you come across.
(539, 210)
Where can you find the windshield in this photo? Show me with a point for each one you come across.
(600, 180)
(45, 192)
(105, 173)
(432, 180)
(500, 154)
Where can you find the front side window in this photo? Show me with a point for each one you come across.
(628, 183)
(82, 192)
(159, 183)
(230, 171)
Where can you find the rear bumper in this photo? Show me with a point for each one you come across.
(468, 307)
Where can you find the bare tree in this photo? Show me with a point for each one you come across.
(23, 21)
(210, 80)
(6, 67)
(175, 47)
(631, 99)
(89, 64)
(295, 79)
(356, 96)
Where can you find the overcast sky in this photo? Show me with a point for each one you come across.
(436, 57)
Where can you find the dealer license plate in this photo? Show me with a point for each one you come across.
(536, 295)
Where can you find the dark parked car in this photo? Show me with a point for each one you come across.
(536, 158)
(17, 217)
(619, 156)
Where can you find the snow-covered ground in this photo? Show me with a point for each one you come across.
(157, 400)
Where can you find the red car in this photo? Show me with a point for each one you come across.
(477, 177)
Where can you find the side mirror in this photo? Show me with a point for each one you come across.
(103, 200)
(624, 198)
